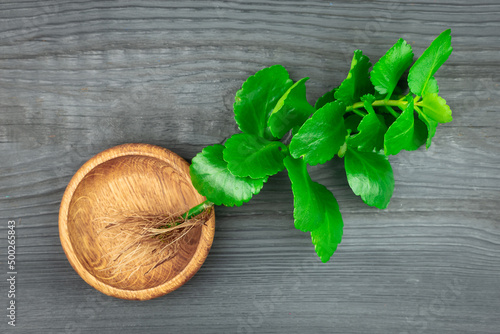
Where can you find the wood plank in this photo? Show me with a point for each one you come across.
(78, 77)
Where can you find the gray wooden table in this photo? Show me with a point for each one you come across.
(77, 77)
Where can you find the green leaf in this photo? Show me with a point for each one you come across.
(435, 107)
(213, 180)
(312, 201)
(424, 68)
(291, 110)
(253, 156)
(432, 87)
(371, 132)
(404, 133)
(308, 196)
(368, 99)
(370, 176)
(387, 71)
(321, 136)
(357, 82)
(326, 98)
(431, 128)
(328, 235)
(315, 209)
(257, 98)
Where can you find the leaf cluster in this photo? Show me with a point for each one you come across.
(374, 113)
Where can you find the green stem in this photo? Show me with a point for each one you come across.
(392, 111)
(196, 210)
(379, 103)
(358, 112)
(418, 110)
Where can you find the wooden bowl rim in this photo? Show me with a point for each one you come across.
(206, 238)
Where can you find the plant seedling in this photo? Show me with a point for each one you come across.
(371, 115)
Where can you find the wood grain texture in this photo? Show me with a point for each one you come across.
(108, 253)
(78, 77)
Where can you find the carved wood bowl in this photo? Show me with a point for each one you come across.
(131, 178)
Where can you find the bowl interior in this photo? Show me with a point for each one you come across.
(122, 185)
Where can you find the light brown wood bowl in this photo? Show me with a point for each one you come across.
(131, 178)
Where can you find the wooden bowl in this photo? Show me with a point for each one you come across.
(132, 178)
